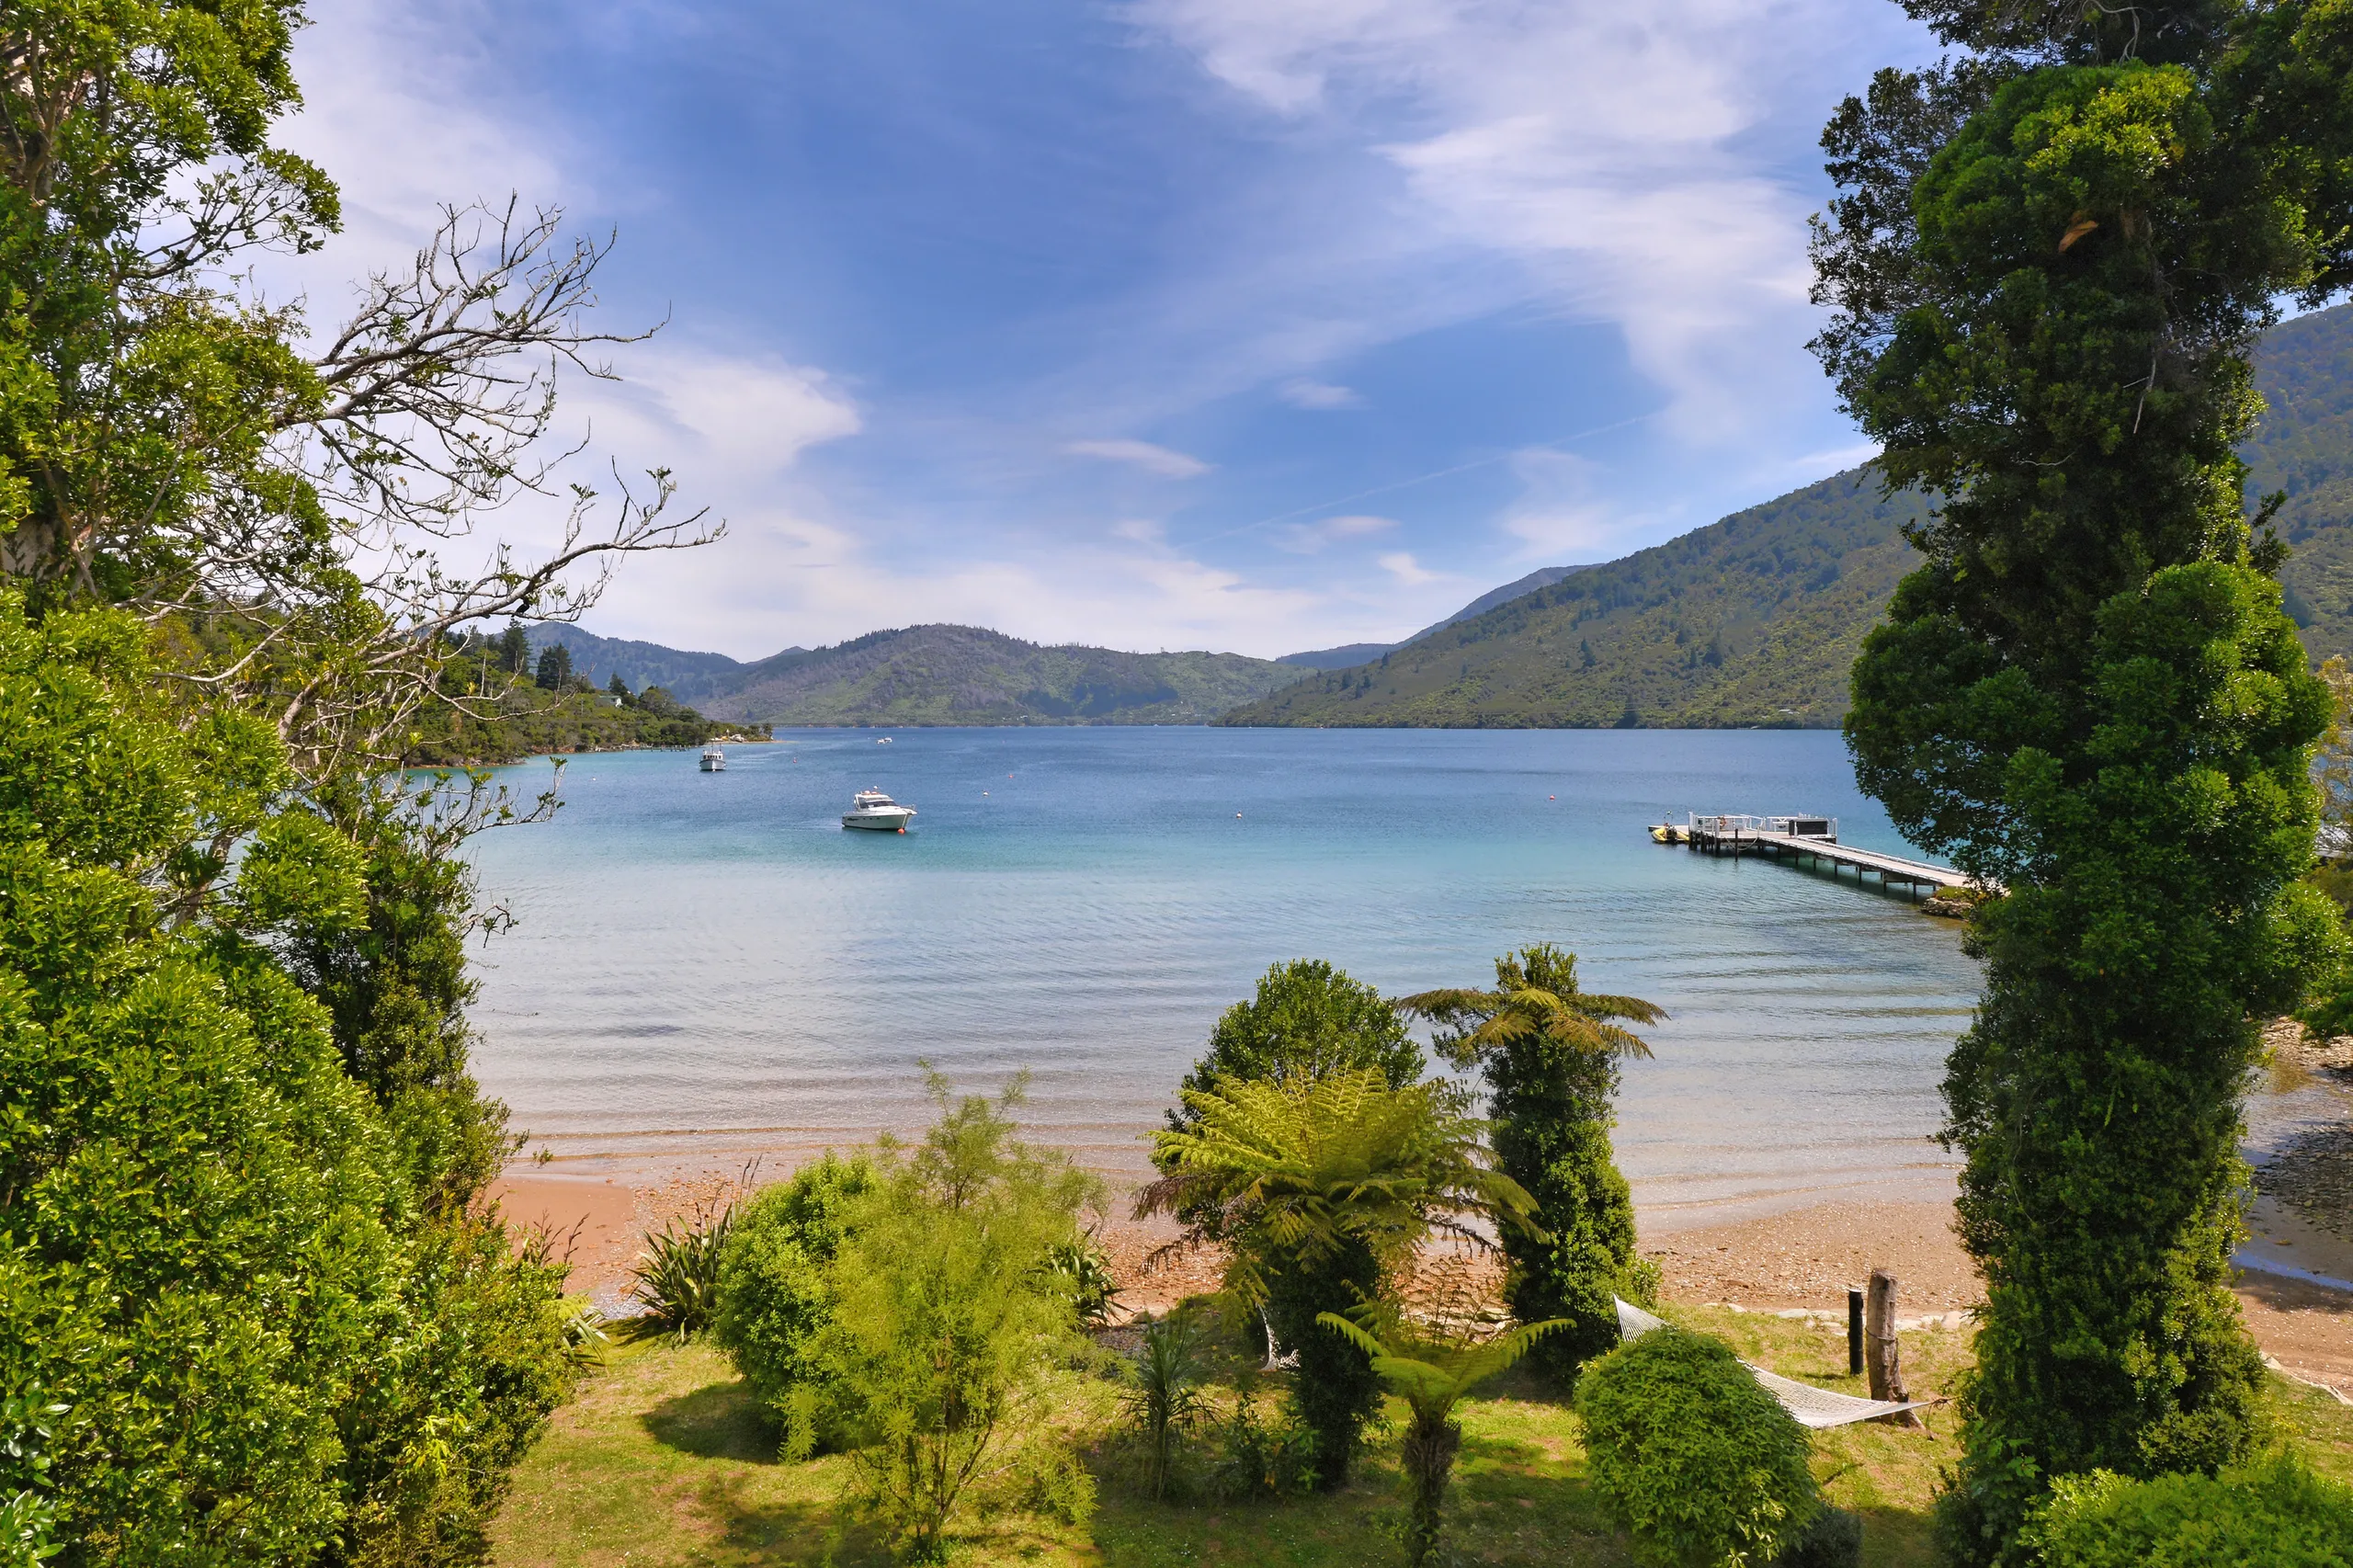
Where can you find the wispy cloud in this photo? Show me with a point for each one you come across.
(1162, 461)
(1401, 565)
(1309, 538)
(1301, 392)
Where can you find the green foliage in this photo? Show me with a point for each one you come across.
(1833, 1540)
(947, 1317)
(28, 1514)
(553, 671)
(2275, 1514)
(776, 1292)
(1693, 1457)
(1433, 1365)
(675, 1278)
(1306, 1018)
(271, 1350)
(1162, 1397)
(1549, 1053)
(1257, 1462)
(2051, 277)
(1321, 1187)
(1082, 1271)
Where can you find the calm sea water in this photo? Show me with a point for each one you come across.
(708, 965)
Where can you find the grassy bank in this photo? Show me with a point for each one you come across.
(664, 1461)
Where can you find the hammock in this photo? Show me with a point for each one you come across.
(1812, 1406)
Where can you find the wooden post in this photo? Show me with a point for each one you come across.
(1854, 1332)
(1878, 1334)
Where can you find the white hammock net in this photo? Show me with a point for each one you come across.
(1810, 1406)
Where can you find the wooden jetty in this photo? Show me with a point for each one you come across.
(1804, 840)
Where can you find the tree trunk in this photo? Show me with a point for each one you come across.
(1878, 1343)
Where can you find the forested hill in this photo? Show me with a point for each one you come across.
(963, 674)
(1755, 619)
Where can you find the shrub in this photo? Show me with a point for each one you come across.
(1083, 1270)
(1257, 1462)
(774, 1297)
(2273, 1515)
(1835, 1539)
(946, 1323)
(675, 1278)
(1700, 1465)
(1162, 1397)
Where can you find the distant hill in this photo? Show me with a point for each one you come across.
(684, 675)
(1360, 652)
(1751, 621)
(1755, 619)
(963, 674)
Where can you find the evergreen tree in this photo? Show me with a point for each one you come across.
(514, 649)
(2050, 262)
(617, 686)
(1549, 1054)
(554, 668)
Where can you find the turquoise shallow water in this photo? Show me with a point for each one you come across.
(708, 965)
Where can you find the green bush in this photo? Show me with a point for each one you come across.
(1256, 1461)
(1698, 1463)
(1835, 1539)
(773, 1296)
(2274, 1515)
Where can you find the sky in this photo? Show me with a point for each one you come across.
(1256, 326)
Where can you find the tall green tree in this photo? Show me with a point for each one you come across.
(1549, 1055)
(1307, 1017)
(1322, 1187)
(2048, 263)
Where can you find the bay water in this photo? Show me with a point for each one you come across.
(708, 966)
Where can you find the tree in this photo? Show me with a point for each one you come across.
(1549, 1053)
(514, 649)
(619, 687)
(1322, 1187)
(2048, 264)
(1433, 1365)
(554, 672)
(1305, 1019)
(946, 1313)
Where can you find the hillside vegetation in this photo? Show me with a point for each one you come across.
(963, 674)
(1751, 621)
(1754, 621)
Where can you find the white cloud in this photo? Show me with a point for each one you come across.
(1162, 461)
(730, 418)
(1604, 148)
(1301, 392)
(1308, 539)
(1564, 512)
(1401, 565)
(1139, 530)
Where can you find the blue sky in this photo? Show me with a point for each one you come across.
(1248, 324)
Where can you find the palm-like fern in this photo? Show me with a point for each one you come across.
(1549, 1053)
(1535, 998)
(1432, 1365)
(1298, 1169)
(1322, 1187)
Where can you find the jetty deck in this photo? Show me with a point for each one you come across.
(1801, 840)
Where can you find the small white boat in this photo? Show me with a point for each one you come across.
(713, 760)
(874, 810)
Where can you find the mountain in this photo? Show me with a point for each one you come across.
(963, 674)
(684, 675)
(1755, 619)
(1362, 653)
(1751, 621)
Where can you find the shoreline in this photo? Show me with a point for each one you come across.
(1800, 1257)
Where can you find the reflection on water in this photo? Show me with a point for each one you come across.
(707, 963)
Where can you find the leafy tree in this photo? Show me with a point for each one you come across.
(1549, 1053)
(1322, 1187)
(2049, 265)
(947, 1315)
(1307, 1018)
(1433, 1365)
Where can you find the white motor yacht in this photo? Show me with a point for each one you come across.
(873, 809)
(713, 760)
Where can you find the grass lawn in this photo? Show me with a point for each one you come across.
(663, 1461)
